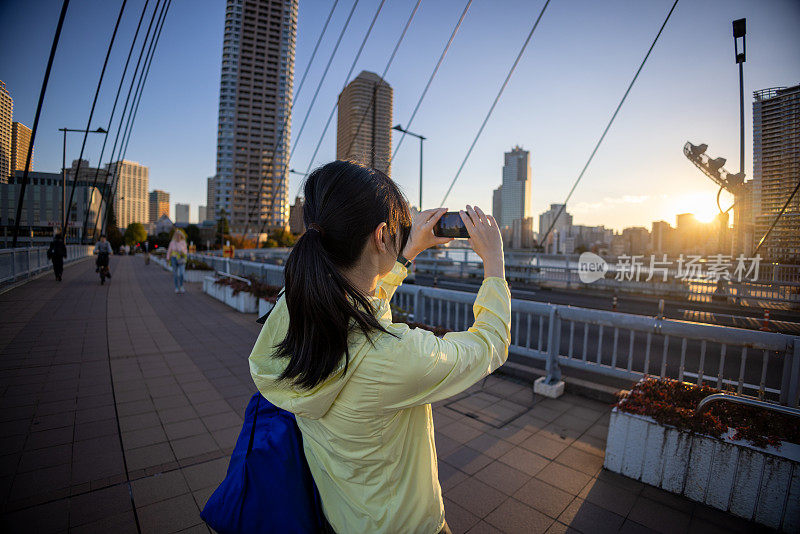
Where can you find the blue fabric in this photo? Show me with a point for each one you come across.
(268, 487)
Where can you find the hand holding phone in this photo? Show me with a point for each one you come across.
(451, 225)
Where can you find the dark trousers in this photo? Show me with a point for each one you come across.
(58, 266)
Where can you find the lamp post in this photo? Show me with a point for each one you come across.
(421, 138)
(739, 31)
(64, 174)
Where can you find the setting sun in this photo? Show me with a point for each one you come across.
(702, 205)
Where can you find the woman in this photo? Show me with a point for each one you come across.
(176, 255)
(360, 385)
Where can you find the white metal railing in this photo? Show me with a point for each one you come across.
(24, 262)
(628, 346)
(610, 343)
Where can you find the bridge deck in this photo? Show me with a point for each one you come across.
(121, 403)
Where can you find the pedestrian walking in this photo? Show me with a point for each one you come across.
(360, 385)
(177, 254)
(56, 253)
(146, 250)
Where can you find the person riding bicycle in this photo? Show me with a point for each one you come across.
(103, 251)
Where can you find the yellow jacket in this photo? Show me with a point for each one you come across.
(368, 436)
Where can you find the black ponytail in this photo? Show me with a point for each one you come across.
(344, 203)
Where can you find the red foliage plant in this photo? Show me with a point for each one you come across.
(671, 402)
(258, 288)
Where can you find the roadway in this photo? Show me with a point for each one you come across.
(781, 320)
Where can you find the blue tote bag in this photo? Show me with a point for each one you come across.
(268, 487)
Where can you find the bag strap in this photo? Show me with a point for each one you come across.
(253, 429)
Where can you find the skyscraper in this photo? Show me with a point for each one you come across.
(20, 142)
(776, 168)
(497, 205)
(254, 113)
(364, 125)
(130, 201)
(211, 193)
(182, 213)
(201, 214)
(557, 241)
(515, 197)
(159, 205)
(6, 111)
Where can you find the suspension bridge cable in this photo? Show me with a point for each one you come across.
(430, 79)
(142, 81)
(346, 80)
(780, 214)
(145, 72)
(111, 118)
(288, 116)
(333, 110)
(563, 206)
(383, 76)
(53, 47)
(125, 111)
(89, 120)
(496, 99)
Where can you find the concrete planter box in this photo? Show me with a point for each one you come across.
(242, 302)
(264, 306)
(761, 485)
(195, 276)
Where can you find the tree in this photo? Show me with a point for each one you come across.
(280, 238)
(193, 234)
(135, 233)
(223, 228)
(113, 235)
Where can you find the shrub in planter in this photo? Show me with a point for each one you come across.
(197, 265)
(740, 459)
(257, 288)
(672, 403)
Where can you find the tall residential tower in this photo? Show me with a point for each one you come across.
(776, 170)
(6, 110)
(254, 113)
(364, 126)
(514, 200)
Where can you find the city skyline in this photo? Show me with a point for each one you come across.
(676, 99)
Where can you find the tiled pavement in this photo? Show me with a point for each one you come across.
(121, 403)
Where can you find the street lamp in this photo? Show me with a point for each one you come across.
(64, 173)
(421, 138)
(739, 31)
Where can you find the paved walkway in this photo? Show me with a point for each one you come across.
(121, 403)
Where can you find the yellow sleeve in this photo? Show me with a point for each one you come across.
(389, 283)
(419, 368)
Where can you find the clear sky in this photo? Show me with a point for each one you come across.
(574, 72)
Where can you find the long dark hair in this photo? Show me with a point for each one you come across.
(344, 203)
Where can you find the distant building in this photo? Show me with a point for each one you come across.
(497, 205)
(131, 203)
(201, 214)
(662, 238)
(182, 213)
(42, 210)
(6, 112)
(20, 142)
(776, 168)
(163, 225)
(556, 242)
(158, 205)
(364, 125)
(296, 225)
(211, 193)
(255, 101)
(516, 189)
(637, 240)
(590, 238)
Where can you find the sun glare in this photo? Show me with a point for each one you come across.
(702, 205)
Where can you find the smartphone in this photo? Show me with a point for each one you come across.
(451, 225)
